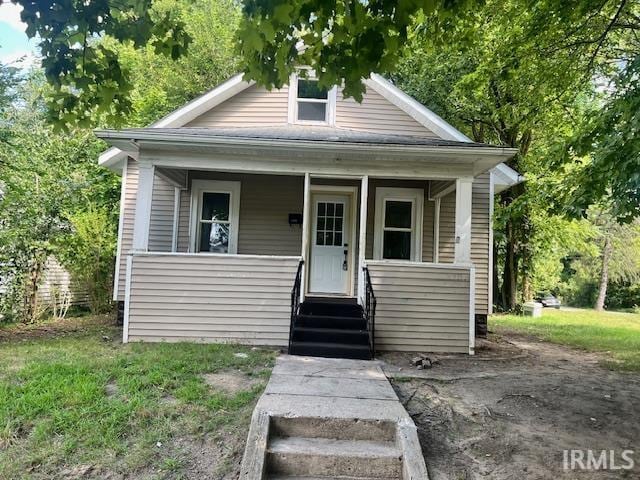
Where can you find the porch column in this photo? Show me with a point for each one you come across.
(306, 219)
(142, 219)
(463, 220)
(362, 237)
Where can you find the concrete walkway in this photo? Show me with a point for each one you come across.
(331, 418)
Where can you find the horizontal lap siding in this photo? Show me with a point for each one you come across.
(161, 222)
(447, 239)
(480, 223)
(211, 299)
(56, 284)
(421, 307)
(254, 107)
(376, 114)
(265, 204)
(130, 185)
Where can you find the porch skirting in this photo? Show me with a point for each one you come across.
(209, 298)
(423, 307)
(246, 299)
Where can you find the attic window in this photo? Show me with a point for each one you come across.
(312, 102)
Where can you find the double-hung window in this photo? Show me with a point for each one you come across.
(309, 103)
(398, 224)
(214, 216)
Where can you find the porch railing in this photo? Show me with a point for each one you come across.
(295, 300)
(370, 310)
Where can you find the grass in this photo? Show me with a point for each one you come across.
(83, 398)
(615, 334)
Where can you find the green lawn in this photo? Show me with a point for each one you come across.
(82, 398)
(615, 334)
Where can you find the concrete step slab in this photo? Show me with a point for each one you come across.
(297, 477)
(336, 428)
(329, 457)
(330, 387)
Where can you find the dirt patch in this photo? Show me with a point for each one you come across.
(230, 381)
(53, 328)
(511, 411)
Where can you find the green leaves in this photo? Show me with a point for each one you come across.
(341, 40)
(86, 75)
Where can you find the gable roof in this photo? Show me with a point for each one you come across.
(183, 115)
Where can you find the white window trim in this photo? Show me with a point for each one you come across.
(293, 103)
(198, 187)
(413, 195)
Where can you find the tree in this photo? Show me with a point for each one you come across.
(44, 175)
(87, 76)
(161, 84)
(620, 251)
(501, 89)
(344, 41)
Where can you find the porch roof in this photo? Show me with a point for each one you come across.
(269, 148)
(291, 133)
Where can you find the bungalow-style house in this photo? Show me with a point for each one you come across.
(299, 218)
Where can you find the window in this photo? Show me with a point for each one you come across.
(398, 225)
(309, 103)
(214, 216)
(329, 226)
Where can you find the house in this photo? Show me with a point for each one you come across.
(277, 217)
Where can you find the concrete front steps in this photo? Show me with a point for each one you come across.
(331, 419)
(332, 448)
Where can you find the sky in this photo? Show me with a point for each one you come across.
(14, 43)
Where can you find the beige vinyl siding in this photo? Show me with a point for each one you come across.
(427, 229)
(161, 221)
(256, 107)
(253, 107)
(56, 284)
(184, 217)
(162, 209)
(265, 204)
(421, 307)
(480, 223)
(130, 185)
(377, 114)
(446, 250)
(211, 298)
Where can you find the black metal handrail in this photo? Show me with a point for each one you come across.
(295, 300)
(370, 310)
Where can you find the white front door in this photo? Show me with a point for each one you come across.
(329, 270)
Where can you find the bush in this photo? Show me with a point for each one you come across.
(88, 252)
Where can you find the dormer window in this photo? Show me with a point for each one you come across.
(312, 101)
(309, 103)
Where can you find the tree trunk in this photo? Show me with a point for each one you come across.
(604, 275)
(497, 300)
(31, 294)
(510, 272)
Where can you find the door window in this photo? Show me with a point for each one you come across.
(329, 224)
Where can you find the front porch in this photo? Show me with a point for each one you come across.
(413, 237)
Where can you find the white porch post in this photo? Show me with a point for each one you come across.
(362, 240)
(463, 220)
(143, 207)
(306, 222)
